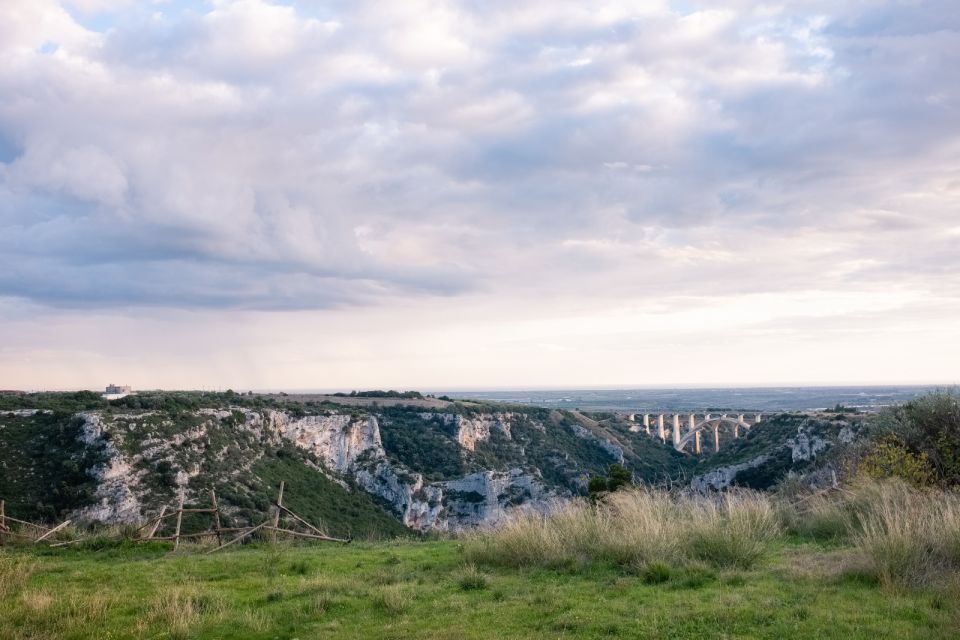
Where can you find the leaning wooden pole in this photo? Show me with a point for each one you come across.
(52, 531)
(302, 521)
(240, 537)
(3, 521)
(176, 535)
(216, 516)
(276, 513)
(156, 525)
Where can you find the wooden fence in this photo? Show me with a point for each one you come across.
(276, 524)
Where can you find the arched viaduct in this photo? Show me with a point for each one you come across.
(686, 429)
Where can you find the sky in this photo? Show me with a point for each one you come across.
(443, 194)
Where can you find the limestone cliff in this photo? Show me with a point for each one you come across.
(349, 447)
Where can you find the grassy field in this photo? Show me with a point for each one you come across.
(880, 560)
(429, 590)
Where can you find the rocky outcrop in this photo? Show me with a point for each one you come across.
(805, 446)
(471, 430)
(488, 497)
(337, 439)
(723, 477)
(116, 500)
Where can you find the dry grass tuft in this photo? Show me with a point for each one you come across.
(180, 609)
(36, 602)
(733, 531)
(14, 572)
(911, 537)
(395, 599)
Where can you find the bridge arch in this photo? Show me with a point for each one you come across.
(712, 424)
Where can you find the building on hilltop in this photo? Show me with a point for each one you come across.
(115, 391)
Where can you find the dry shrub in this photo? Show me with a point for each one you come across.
(633, 528)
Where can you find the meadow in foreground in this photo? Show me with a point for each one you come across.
(640, 564)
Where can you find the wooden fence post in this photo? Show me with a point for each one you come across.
(276, 514)
(3, 522)
(176, 535)
(216, 516)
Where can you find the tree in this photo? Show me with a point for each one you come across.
(596, 487)
(618, 476)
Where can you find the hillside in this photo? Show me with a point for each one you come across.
(361, 466)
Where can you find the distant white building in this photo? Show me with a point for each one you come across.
(115, 391)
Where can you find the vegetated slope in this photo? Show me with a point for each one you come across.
(783, 444)
(357, 469)
(52, 466)
(45, 466)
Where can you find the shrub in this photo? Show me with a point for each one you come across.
(889, 458)
(928, 428)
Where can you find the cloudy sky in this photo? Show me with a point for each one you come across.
(448, 194)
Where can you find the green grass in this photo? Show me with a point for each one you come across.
(428, 590)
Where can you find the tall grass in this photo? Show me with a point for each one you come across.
(734, 531)
(907, 536)
(634, 528)
(910, 537)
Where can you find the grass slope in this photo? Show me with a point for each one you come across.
(424, 590)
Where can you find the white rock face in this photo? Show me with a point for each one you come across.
(488, 497)
(470, 431)
(350, 447)
(721, 478)
(805, 447)
(353, 447)
(116, 501)
(336, 439)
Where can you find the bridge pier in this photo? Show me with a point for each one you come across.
(676, 429)
(660, 431)
(696, 437)
(716, 438)
(756, 419)
(692, 422)
(646, 423)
